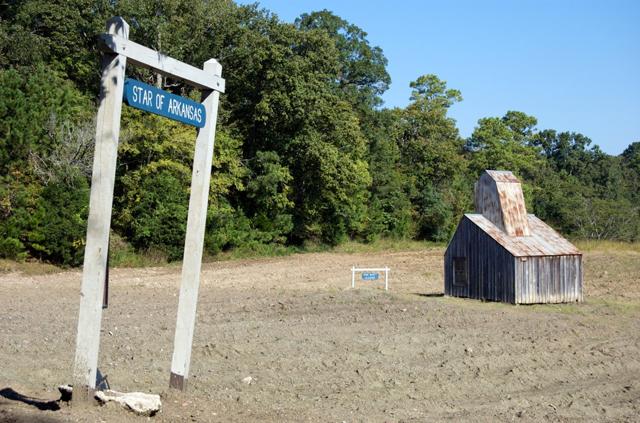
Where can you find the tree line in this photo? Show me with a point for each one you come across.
(305, 151)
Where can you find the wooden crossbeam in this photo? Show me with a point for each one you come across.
(143, 56)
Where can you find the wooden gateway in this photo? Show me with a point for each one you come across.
(501, 253)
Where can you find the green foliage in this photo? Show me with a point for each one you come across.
(503, 144)
(631, 162)
(228, 229)
(156, 206)
(432, 158)
(152, 189)
(59, 33)
(59, 234)
(362, 74)
(631, 156)
(45, 222)
(268, 192)
(435, 218)
(29, 98)
(330, 191)
(584, 191)
(305, 157)
(43, 198)
(390, 210)
(430, 93)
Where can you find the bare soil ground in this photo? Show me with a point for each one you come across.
(318, 351)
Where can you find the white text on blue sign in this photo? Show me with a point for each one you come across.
(151, 99)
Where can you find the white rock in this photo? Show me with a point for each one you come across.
(248, 380)
(138, 402)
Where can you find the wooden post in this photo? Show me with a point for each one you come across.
(386, 278)
(196, 221)
(99, 222)
(353, 276)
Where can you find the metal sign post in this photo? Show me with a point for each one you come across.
(119, 50)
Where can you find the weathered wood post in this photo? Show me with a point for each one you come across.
(99, 222)
(353, 276)
(386, 278)
(118, 48)
(196, 221)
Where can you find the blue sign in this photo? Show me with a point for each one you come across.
(151, 99)
(369, 276)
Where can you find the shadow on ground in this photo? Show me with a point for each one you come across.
(429, 294)
(43, 405)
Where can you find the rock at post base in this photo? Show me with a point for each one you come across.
(138, 402)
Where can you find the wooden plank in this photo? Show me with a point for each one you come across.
(580, 280)
(559, 294)
(99, 221)
(523, 274)
(194, 241)
(149, 58)
(372, 269)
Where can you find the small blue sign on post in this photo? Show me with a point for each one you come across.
(370, 276)
(151, 99)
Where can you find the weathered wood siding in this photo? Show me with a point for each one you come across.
(548, 279)
(491, 268)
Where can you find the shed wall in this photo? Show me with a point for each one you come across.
(491, 269)
(549, 279)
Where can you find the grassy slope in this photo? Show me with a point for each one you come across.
(123, 255)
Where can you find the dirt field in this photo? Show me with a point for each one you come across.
(318, 351)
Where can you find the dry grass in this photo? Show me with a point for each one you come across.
(391, 245)
(28, 267)
(123, 255)
(595, 245)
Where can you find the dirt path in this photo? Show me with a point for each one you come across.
(318, 351)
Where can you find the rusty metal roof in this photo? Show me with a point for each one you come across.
(503, 176)
(498, 196)
(542, 241)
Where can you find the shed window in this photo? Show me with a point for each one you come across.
(460, 276)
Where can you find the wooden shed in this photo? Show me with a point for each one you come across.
(501, 253)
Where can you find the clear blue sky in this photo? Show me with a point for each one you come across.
(575, 65)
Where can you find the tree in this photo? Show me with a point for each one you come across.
(152, 185)
(28, 101)
(631, 156)
(362, 74)
(43, 216)
(268, 191)
(631, 160)
(504, 144)
(58, 33)
(432, 157)
(304, 152)
(566, 151)
(390, 209)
